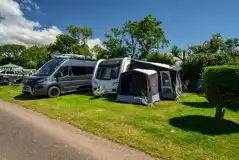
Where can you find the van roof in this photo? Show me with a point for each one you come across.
(76, 62)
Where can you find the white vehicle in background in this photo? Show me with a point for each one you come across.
(107, 73)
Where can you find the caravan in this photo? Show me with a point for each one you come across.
(107, 73)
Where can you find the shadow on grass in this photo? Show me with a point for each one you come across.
(27, 97)
(205, 125)
(109, 98)
(198, 104)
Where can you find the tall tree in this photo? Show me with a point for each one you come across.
(74, 42)
(82, 34)
(150, 36)
(129, 31)
(100, 52)
(136, 38)
(115, 43)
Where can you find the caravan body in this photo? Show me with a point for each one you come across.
(107, 73)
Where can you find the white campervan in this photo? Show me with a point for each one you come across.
(107, 73)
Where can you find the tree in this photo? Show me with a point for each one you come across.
(11, 52)
(215, 45)
(136, 38)
(220, 91)
(34, 57)
(193, 65)
(130, 29)
(81, 50)
(75, 42)
(64, 44)
(230, 44)
(164, 58)
(115, 43)
(179, 53)
(100, 52)
(150, 35)
(82, 34)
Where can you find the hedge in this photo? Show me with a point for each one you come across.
(221, 85)
(194, 65)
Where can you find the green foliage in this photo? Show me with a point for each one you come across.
(150, 35)
(136, 38)
(100, 52)
(82, 34)
(81, 50)
(194, 65)
(221, 84)
(164, 58)
(114, 45)
(75, 42)
(179, 53)
(215, 44)
(34, 57)
(64, 43)
(11, 52)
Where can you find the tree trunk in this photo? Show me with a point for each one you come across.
(219, 113)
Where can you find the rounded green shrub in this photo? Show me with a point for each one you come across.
(221, 85)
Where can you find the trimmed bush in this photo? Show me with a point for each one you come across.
(194, 65)
(221, 85)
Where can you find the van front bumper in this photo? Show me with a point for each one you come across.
(37, 90)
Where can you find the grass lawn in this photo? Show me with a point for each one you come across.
(172, 130)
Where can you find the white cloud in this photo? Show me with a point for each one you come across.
(15, 28)
(26, 4)
(93, 42)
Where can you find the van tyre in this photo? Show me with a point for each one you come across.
(53, 92)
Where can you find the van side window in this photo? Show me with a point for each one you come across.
(76, 71)
(65, 71)
(89, 70)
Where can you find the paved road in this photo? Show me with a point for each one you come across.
(26, 135)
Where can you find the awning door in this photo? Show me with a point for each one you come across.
(166, 85)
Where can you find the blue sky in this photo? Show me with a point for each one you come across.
(185, 22)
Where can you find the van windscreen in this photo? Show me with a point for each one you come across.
(108, 70)
(48, 68)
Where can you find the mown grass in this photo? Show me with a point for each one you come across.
(172, 130)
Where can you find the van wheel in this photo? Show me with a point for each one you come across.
(53, 92)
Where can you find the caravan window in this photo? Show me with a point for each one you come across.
(104, 73)
(108, 70)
